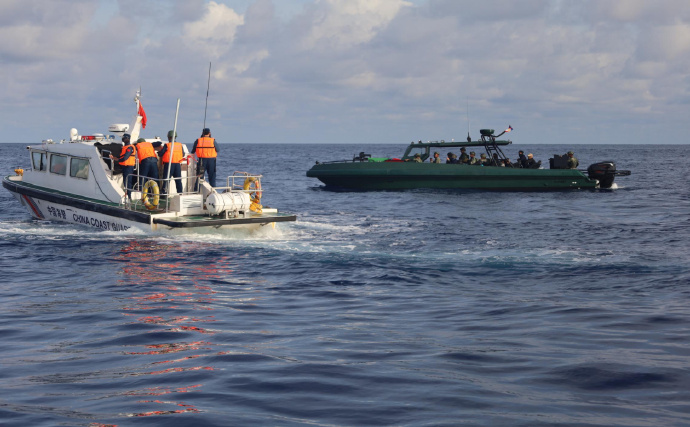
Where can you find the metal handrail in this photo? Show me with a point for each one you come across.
(231, 185)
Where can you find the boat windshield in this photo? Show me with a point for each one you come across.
(423, 152)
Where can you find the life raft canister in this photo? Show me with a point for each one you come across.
(151, 186)
(253, 183)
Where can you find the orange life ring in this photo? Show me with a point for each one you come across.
(152, 186)
(254, 184)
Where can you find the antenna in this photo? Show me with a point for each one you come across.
(208, 86)
(469, 138)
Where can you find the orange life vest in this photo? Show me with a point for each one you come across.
(205, 147)
(177, 156)
(131, 161)
(145, 150)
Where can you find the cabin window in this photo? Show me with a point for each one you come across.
(39, 161)
(58, 164)
(79, 168)
(422, 151)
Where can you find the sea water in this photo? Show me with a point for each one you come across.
(414, 307)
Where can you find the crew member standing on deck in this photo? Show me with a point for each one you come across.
(572, 161)
(127, 160)
(171, 158)
(148, 161)
(206, 150)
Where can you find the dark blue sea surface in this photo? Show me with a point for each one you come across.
(375, 308)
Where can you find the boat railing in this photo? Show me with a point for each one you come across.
(238, 182)
(244, 182)
(164, 188)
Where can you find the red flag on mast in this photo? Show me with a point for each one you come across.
(142, 113)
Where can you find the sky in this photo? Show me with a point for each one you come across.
(349, 71)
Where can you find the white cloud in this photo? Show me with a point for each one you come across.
(348, 23)
(664, 43)
(47, 30)
(215, 31)
(376, 68)
(638, 12)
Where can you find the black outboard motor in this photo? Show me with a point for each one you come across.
(605, 172)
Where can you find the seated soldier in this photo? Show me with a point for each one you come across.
(464, 158)
(473, 160)
(531, 163)
(522, 160)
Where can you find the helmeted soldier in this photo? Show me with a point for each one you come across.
(572, 161)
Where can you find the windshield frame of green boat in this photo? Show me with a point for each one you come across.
(409, 155)
(427, 149)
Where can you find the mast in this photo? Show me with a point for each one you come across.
(172, 146)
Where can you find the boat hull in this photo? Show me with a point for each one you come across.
(409, 175)
(46, 204)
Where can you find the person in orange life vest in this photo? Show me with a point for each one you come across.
(148, 161)
(127, 160)
(207, 151)
(171, 161)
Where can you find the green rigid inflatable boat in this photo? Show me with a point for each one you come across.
(366, 173)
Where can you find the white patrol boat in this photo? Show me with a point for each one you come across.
(75, 181)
